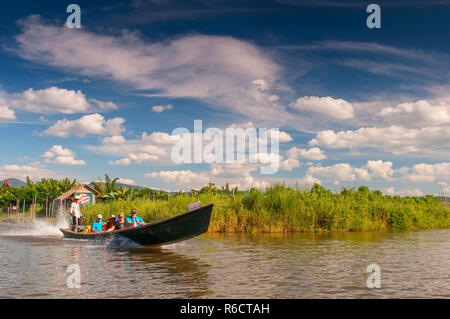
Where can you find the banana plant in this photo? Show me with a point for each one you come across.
(124, 193)
(105, 187)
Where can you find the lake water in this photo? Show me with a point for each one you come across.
(34, 260)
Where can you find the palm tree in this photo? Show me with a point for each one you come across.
(211, 187)
(105, 187)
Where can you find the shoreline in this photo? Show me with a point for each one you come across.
(283, 209)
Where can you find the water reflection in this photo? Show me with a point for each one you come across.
(230, 266)
(139, 272)
(171, 269)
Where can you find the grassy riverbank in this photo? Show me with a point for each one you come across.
(286, 209)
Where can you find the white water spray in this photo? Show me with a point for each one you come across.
(37, 228)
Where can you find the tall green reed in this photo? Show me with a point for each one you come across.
(282, 208)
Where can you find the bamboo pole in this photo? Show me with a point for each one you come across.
(34, 206)
(53, 209)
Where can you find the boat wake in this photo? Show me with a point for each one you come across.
(119, 242)
(175, 246)
(122, 242)
(36, 228)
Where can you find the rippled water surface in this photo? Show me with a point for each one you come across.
(34, 262)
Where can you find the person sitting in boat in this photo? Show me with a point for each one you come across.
(120, 222)
(110, 226)
(97, 227)
(134, 220)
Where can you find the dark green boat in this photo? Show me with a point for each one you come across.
(166, 231)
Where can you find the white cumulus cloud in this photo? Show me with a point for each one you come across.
(424, 172)
(126, 181)
(419, 113)
(393, 139)
(7, 114)
(61, 156)
(88, 124)
(55, 100)
(180, 178)
(121, 162)
(403, 192)
(105, 105)
(346, 172)
(314, 153)
(328, 106)
(34, 171)
(51, 100)
(162, 108)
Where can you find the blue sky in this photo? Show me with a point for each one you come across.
(356, 106)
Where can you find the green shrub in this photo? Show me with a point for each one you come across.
(282, 208)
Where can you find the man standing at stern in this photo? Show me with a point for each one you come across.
(75, 212)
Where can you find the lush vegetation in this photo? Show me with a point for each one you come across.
(46, 190)
(291, 209)
(279, 208)
(41, 191)
(108, 190)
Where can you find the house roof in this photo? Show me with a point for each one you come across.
(82, 188)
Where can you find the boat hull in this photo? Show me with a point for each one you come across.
(170, 230)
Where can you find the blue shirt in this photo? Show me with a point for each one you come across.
(129, 219)
(98, 226)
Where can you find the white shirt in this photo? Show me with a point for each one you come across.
(75, 210)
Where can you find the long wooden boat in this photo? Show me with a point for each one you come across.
(166, 231)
